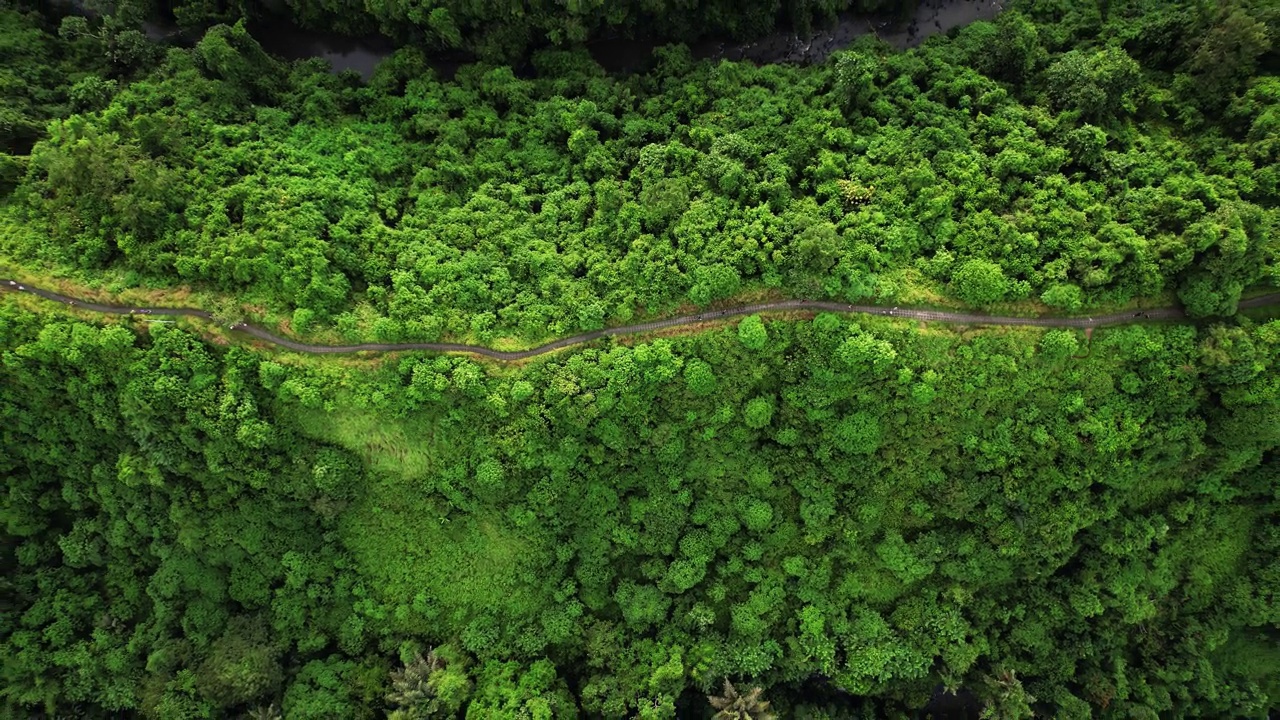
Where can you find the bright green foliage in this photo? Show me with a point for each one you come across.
(40, 78)
(1098, 85)
(757, 515)
(1066, 297)
(432, 686)
(507, 690)
(864, 352)
(843, 515)
(758, 413)
(857, 434)
(1018, 161)
(1009, 700)
(752, 333)
(1059, 343)
(699, 377)
(677, 548)
(980, 282)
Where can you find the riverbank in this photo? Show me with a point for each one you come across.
(618, 53)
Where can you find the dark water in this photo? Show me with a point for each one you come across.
(343, 53)
(960, 705)
(620, 55)
(932, 17)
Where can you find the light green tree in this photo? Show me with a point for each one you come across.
(752, 333)
(980, 282)
(732, 705)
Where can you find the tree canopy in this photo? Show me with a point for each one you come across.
(499, 205)
(790, 515)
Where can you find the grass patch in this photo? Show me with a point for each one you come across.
(403, 448)
(433, 568)
(1256, 657)
(419, 555)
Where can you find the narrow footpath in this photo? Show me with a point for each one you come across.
(942, 316)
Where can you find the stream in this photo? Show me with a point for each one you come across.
(619, 54)
(623, 55)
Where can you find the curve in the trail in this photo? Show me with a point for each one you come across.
(943, 316)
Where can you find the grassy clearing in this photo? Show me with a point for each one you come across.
(406, 449)
(420, 555)
(433, 568)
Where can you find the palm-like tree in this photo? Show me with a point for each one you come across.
(264, 712)
(409, 687)
(734, 706)
(1007, 699)
(950, 681)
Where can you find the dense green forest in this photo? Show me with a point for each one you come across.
(193, 530)
(829, 514)
(996, 167)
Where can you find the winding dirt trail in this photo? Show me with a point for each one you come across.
(943, 316)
